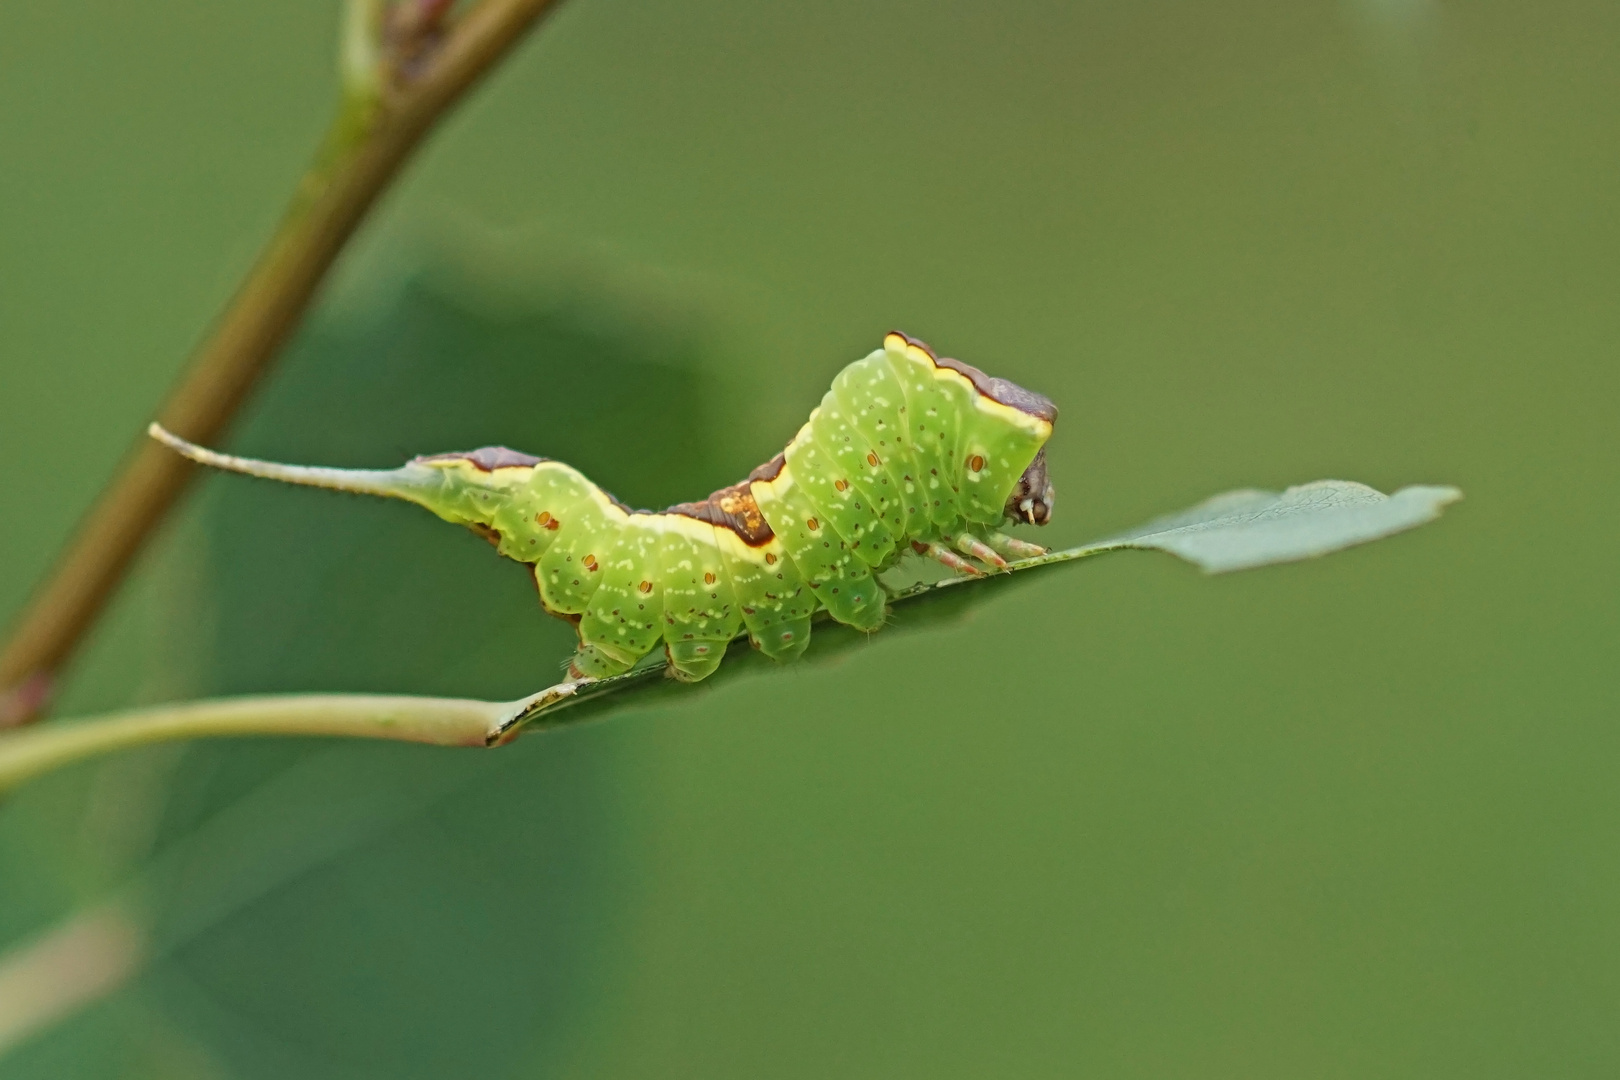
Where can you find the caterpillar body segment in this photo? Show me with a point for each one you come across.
(875, 398)
(625, 618)
(907, 452)
(827, 468)
(840, 582)
(775, 603)
(587, 524)
(936, 398)
(701, 613)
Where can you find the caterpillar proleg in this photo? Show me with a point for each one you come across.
(908, 452)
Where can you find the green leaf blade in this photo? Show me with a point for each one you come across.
(1235, 530)
(1241, 530)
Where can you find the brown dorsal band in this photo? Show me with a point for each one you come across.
(1006, 393)
(489, 458)
(770, 470)
(731, 508)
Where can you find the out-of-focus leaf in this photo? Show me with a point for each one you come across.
(263, 851)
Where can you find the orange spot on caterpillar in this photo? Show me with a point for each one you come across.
(872, 460)
(976, 462)
(812, 524)
(589, 561)
(646, 586)
(543, 519)
(708, 579)
(770, 557)
(841, 485)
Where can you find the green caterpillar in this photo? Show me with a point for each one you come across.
(907, 450)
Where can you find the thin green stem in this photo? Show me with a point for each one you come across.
(437, 721)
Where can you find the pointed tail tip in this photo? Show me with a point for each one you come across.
(191, 451)
(171, 440)
(411, 483)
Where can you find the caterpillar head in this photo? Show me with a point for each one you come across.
(1032, 497)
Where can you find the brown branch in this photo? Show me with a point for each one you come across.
(365, 152)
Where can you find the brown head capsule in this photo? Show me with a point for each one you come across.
(1032, 497)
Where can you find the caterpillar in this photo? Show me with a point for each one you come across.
(907, 452)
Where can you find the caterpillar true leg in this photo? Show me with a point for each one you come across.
(968, 544)
(1012, 547)
(945, 556)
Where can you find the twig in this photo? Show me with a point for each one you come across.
(379, 125)
(62, 970)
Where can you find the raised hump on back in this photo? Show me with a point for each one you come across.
(1001, 391)
(485, 458)
(731, 508)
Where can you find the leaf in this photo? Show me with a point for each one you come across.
(1240, 530)
(1236, 530)
(1233, 531)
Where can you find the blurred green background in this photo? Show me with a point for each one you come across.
(1356, 817)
